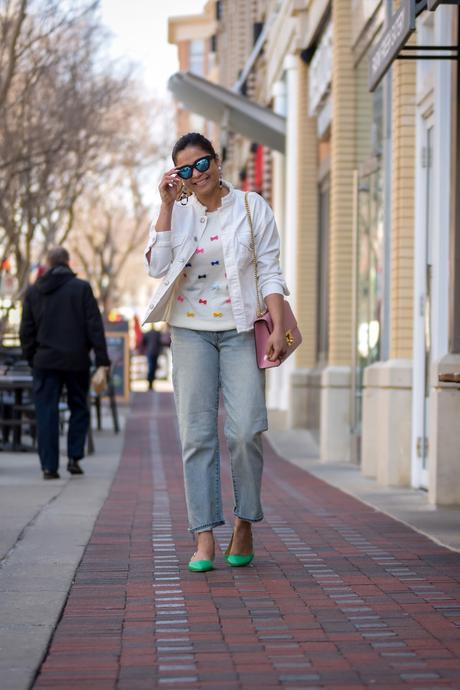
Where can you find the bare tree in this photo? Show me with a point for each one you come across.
(55, 121)
(77, 143)
(11, 21)
(113, 215)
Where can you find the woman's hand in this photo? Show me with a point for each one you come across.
(169, 187)
(276, 345)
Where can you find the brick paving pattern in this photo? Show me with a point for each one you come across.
(338, 596)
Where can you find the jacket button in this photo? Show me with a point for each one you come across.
(166, 282)
(202, 219)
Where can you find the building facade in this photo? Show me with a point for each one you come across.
(196, 41)
(364, 191)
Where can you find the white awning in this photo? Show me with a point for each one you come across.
(240, 115)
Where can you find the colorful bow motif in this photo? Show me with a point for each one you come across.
(202, 301)
(180, 298)
(199, 250)
(215, 263)
(214, 237)
(202, 276)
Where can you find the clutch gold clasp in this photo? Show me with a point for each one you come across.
(289, 338)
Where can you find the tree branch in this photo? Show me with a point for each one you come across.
(11, 59)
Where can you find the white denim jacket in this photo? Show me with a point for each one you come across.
(172, 249)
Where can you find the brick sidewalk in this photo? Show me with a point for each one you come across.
(339, 596)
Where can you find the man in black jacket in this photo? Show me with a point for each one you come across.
(61, 323)
(151, 343)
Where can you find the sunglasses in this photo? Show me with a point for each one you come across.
(201, 164)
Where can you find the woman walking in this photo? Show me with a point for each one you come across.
(201, 247)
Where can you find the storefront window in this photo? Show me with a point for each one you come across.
(196, 57)
(369, 281)
(370, 292)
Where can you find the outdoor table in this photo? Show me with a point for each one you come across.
(16, 384)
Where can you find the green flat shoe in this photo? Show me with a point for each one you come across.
(237, 561)
(200, 566)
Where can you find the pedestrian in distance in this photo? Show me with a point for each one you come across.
(61, 324)
(151, 345)
(201, 248)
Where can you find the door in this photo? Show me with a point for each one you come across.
(322, 329)
(423, 333)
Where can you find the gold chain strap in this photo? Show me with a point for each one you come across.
(260, 309)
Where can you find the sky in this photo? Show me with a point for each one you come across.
(140, 29)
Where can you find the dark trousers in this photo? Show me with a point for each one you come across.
(47, 389)
(152, 361)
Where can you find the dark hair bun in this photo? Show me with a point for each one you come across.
(193, 139)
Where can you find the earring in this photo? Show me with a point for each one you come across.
(183, 198)
(220, 177)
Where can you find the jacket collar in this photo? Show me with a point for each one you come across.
(226, 200)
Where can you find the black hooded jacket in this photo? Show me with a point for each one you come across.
(61, 323)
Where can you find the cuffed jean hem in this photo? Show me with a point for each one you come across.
(207, 528)
(248, 519)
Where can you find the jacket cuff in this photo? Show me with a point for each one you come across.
(160, 239)
(163, 239)
(274, 287)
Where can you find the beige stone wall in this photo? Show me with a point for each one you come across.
(343, 162)
(402, 208)
(235, 41)
(307, 231)
(181, 31)
(235, 37)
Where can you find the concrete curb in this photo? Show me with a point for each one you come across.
(42, 550)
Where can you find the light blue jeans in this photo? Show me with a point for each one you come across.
(205, 363)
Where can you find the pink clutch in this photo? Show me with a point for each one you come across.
(263, 327)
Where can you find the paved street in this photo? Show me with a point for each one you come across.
(339, 595)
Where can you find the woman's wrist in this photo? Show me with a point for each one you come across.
(278, 328)
(163, 223)
(274, 302)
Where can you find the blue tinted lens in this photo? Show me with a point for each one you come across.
(202, 165)
(185, 172)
